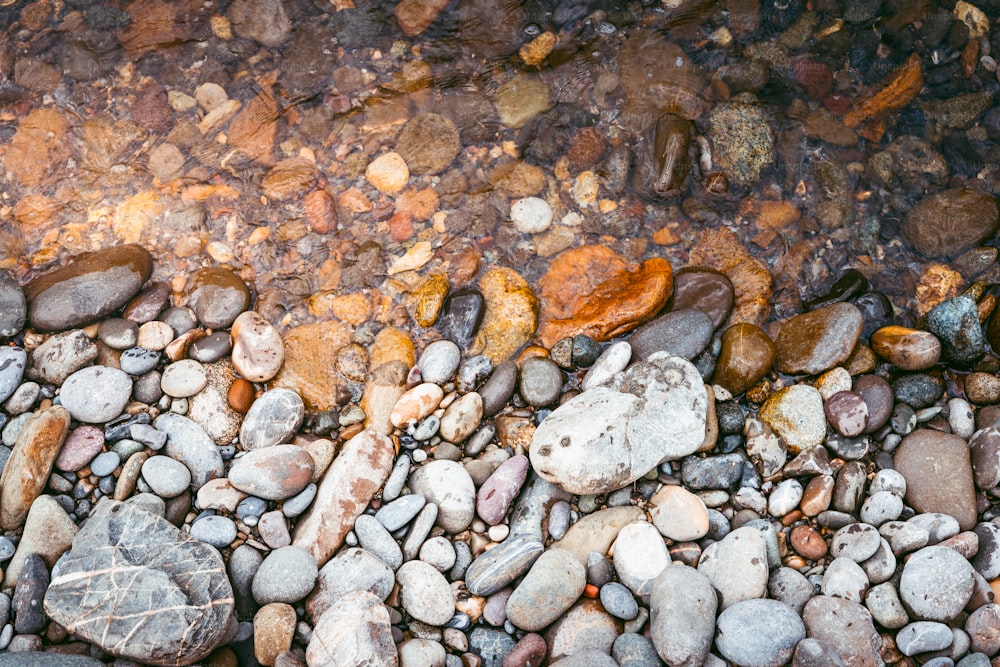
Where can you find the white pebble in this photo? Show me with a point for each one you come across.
(531, 215)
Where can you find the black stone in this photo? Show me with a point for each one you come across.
(29, 618)
(919, 390)
(491, 645)
(585, 351)
(877, 310)
(852, 283)
(730, 416)
(461, 316)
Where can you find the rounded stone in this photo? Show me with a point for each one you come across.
(759, 632)
(388, 173)
(541, 381)
(428, 143)
(640, 555)
(909, 349)
(273, 473)
(531, 215)
(272, 419)
(462, 417)
(682, 333)
(183, 378)
(219, 531)
(847, 413)
(554, 583)
(678, 514)
(796, 414)
(167, 477)
(217, 296)
(439, 361)
(946, 223)
(747, 355)
(936, 584)
(96, 394)
(876, 392)
(258, 351)
(424, 593)
(817, 341)
(448, 485)
(288, 574)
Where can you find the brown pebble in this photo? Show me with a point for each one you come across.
(910, 349)
(808, 543)
(817, 495)
(747, 355)
(982, 388)
(241, 395)
(529, 651)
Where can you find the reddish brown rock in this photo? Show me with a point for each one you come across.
(274, 473)
(720, 249)
(807, 542)
(747, 355)
(353, 478)
(817, 341)
(938, 474)
(415, 16)
(27, 470)
(950, 222)
(592, 290)
(910, 349)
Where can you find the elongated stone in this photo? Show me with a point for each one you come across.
(30, 463)
(352, 480)
(502, 564)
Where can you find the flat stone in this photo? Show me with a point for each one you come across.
(612, 434)
(274, 473)
(759, 632)
(167, 477)
(499, 490)
(272, 419)
(501, 565)
(554, 583)
(96, 394)
(938, 474)
(310, 366)
(846, 627)
(936, 584)
(540, 382)
(923, 637)
(170, 603)
(87, 288)
(597, 531)
(356, 474)
(82, 444)
(817, 341)
(218, 531)
(355, 630)
(936, 227)
(48, 532)
(27, 470)
(257, 348)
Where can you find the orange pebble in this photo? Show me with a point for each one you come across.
(591, 591)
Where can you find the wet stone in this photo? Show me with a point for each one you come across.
(60, 356)
(796, 414)
(918, 390)
(938, 474)
(257, 349)
(428, 143)
(707, 290)
(818, 340)
(472, 373)
(439, 361)
(847, 413)
(217, 296)
(212, 347)
(13, 308)
(947, 223)
(461, 316)
(681, 333)
(956, 323)
(87, 287)
(877, 394)
(747, 355)
(909, 349)
(498, 388)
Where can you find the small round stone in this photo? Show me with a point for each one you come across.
(183, 378)
(287, 575)
(96, 394)
(541, 381)
(847, 413)
(105, 463)
(439, 361)
(759, 632)
(167, 477)
(619, 601)
(219, 531)
(531, 215)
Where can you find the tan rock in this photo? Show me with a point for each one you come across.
(388, 173)
(257, 349)
(416, 404)
(595, 291)
(511, 315)
(596, 532)
(678, 514)
(753, 283)
(351, 482)
(310, 363)
(274, 629)
(27, 470)
(48, 532)
(415, 16)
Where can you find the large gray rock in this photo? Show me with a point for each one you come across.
(138, 587)
(612, 434)
(759, 632)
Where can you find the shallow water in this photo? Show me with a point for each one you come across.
(104, 142)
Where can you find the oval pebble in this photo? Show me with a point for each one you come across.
(541, 381)
(287, 575)
(167, 477)
(139, 360)
(424, 593)
(219, 531)
(273, 473)
(531, 215)
(96, 394)
(759, 632)
(258, 351)
(105, 463)
(439, 361)
(272, 419)
(183, 378)
(923, 636)
(618, 601)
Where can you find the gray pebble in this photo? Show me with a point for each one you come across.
(790, 587)
(845, 579)
(397, 479)
(419, 530)
(888, 480)
(923, 636)
(619, 601)
(541, 381)
(300, 502)
(939, 526)
(559, 517)
(105, 463)
(473, 372)
(634, 650)
(881, 507)
(427, 428)
(936, 584)
(138, 360)
(886, 608)
(251, 507)
(758, 632)
(288, 574)
(12, 362)
(219, 531)
(166, 477)
(858, 541)
(96, 394)
(23, 398)
(439, 361)
(373, 537)
(401, 511)
(439, 552)
(501, 565)
(498, 389)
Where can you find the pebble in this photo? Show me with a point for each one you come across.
(272, 419)
(182, 379)
(461, 316)
(582, 456)
(461, 418)
(388, 173)
(858, 542)
(13, 308)
(922, 637)
(287, 575)
(929, 226)
(785, 497)
(682, 603)
(87, 287)
(936, 584)
(796, 414)
(747, 355)
(847, 413)
(447, 485)
(885, 606)
(439, 552)
(416, 404)
(678, 514)
(424, 593)
(818, 340)
(618, 601)
(188, 443)
(876, 392)
(540, 381)
(356, 624)
(61, 355)
(219, 531)
(82, 444)
(29, 464)
(352, 569)
(640, 555)
(501, 565)
(499, 490)
(909, 349)
(374, 538)
(938, 474)
(217, 296)
(498, 388)
(257, 351)
(273, 473)
(139, 361)
(274, 630)
(400, 512)
(613, 360)
(844, 579)
(681, 333)
(96, 394)
(439, 361)
(759, 632)
(531, 215)
(737, 566)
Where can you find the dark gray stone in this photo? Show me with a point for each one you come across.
(29, 617)
(139, 588)
(683, 333)
(491, 645)
(502, 564)
(12, 361)
(13, 308)
(956, 323)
